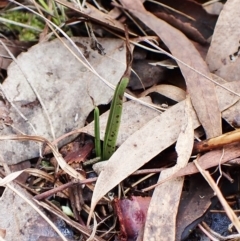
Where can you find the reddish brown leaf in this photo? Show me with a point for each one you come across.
(3, 3)
(132, 216)
(79, 155)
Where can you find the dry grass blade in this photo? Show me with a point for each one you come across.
(172, 9)
(68, 169)
(231, 215)
(33, 172)
(213, 79)
(202, 91)
(94, 230)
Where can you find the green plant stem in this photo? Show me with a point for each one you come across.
(97, 133)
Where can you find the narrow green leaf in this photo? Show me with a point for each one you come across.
(97, 133)
(114, 119)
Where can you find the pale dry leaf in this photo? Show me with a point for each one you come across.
(170, 91)
(10, 177)
(185, 139)
(225, 97)
(232, 115)
(214, 8)
(15, 47)
(143, 145)
(67, 88)
(21, 220)
(201, 90)
(99, 166)
(223, 54)
(229, 102)
(164, 223)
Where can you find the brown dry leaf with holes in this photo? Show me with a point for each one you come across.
(223, 54)
(67, 88)
(201, 90)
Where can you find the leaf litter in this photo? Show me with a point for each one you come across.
(201, 90)
(67, 107)
(144, 133)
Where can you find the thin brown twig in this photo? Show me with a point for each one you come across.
(63, 187)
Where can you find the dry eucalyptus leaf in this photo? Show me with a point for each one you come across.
(164, 224)
(226, 98)
(201, 90)
(229, 102)
(67, 89)
(223, 54)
